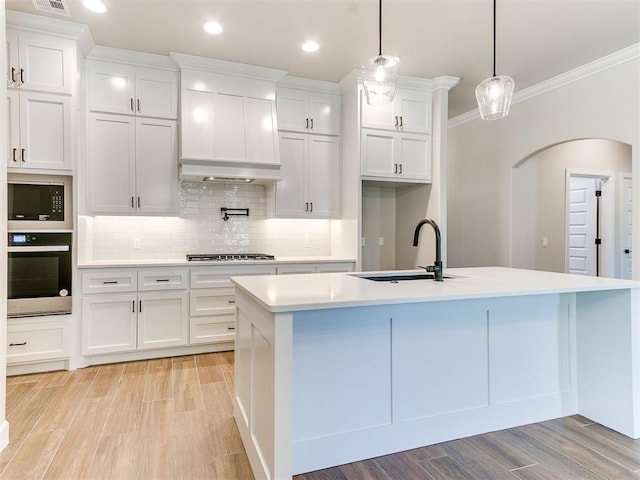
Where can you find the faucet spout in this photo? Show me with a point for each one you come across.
(437, 265)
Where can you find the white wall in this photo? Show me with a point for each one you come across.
(538, 199)
(604, 104)
(4, 426)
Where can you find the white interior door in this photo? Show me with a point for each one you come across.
(625, 227)
(582, 225)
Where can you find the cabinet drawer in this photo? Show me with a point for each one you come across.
(163, 279)
(109, 280)
(212, 301)
(335, 267)
(294, 269)
(218, 277)
(211, 329)
(37, 341)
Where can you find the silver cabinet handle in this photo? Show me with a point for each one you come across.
(17, 344)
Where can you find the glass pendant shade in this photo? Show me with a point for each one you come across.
(379, 77)
(494, 97)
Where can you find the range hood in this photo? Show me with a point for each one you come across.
(224, 172)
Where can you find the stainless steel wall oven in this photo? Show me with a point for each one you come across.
(39, 273)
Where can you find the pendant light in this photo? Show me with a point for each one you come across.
(494, 94)
(380, 73)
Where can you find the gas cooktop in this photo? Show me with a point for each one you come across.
(224, 257)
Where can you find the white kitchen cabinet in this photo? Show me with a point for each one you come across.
(410, 111)
(134, 320)
(37, 339)
(40, 62)
(308, 112)
(225, 127)
(132, 90)
(132, 165)
(163, 319)
(395, 156)
(38, 130)
(109, 323)
(310, 168)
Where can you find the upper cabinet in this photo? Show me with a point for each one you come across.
(132, 90)
(308, 112)
(40, 62)
(410, 111)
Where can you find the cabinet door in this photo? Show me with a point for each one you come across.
(378, 150)
(36, 341)
(324, 114)
(157, 188)
(108, 324)
(261, 133)
(163, 319)
(323, 176)
(13, 61)
(46, 63)
(197, 125)
(111, 163)
(414, 156)
(45, 130)
(413, 109)
(292, 109)
(157, 93)
(14, 153)
(376, 116)
(111, 87)
(290, 194)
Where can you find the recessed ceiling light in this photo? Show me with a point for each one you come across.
(96, 6)
(310, 46)
(214, 28)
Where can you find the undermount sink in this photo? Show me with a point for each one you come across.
(398, 277)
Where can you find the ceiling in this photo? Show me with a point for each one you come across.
(536, 39)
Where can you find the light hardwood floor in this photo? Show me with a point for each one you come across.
(173, 419)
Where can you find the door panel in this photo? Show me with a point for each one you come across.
(582, 229)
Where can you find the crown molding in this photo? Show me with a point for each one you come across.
(309, 85)
(193, 62)
(131, 57)
(617, 58)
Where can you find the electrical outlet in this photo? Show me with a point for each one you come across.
(545, 242)
(136, 244)
(362, 242)
(381, 241)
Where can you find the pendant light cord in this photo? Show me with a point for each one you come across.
(494, 37)
(380, 28)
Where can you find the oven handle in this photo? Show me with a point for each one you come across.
(43, 248)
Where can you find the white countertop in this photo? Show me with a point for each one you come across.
(337, 290)
(181, 262)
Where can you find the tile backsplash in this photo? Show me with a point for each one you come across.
(201, 229)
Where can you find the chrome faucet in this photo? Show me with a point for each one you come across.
(436, 268)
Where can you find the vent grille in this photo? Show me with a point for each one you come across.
(59, 7)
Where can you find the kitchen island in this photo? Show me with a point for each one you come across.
(334, 368)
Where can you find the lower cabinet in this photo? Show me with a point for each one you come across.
(37, 339)
(212, 313)
(128, 322)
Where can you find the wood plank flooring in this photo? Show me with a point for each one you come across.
(173, 419)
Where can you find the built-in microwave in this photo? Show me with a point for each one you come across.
(39, 202)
